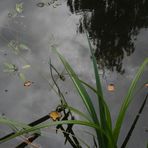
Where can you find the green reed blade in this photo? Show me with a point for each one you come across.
(9, 122)
(89, 86)
(80, 88)
(87, 102)
(46, 125)
(77, 112)
(128, 99)
(105, 117)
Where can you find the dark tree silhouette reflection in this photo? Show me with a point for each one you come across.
(112, 26)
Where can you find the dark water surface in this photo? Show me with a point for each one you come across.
(118, 32)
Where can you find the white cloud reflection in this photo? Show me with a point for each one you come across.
(22, 104)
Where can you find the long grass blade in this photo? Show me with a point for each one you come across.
(83, 93)
(87, 101)
(77, 112)
(105, 117)
(9, 122)
(46, 125)
(128, 99)
(89, 86)
(104, 120)
(107, 112)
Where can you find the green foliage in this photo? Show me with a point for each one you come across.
(107, 136)
(26, 66)
(16, 11)
(110, 138)
(10, 67)
(19, 7)
(22, 77)
(17, 47)
(128, 99)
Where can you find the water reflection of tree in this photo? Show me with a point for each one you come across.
(112, 26)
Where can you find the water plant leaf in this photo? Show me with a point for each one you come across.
(14, 46)
(12, 14)
(77, 112)
(17, 127)
(23, 46)
(80, 88)
(128, 99)
(22, 76)
(26, 66)
(107, 112)
(89, 86)
(105, 117)
(6, 121)
(99, 89)
(19, 7)
(8, 70)
(88, 103)
(48, 124)
(8, 65)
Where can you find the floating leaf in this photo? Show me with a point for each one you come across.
(19, 7)
(12, 14)
(54, 115)
(14, 45)
(8, 70)
(26, 66)
(8, 65)
(23, 46)
(22, 76)
(111, 87)
(27, 83)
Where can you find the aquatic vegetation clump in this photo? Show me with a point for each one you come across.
(16, 11)
(106, 135)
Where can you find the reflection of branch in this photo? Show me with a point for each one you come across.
(134, 123)
(67, 137)
(111, 41)
(69, 131)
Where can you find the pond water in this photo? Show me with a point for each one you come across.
(118, 32)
